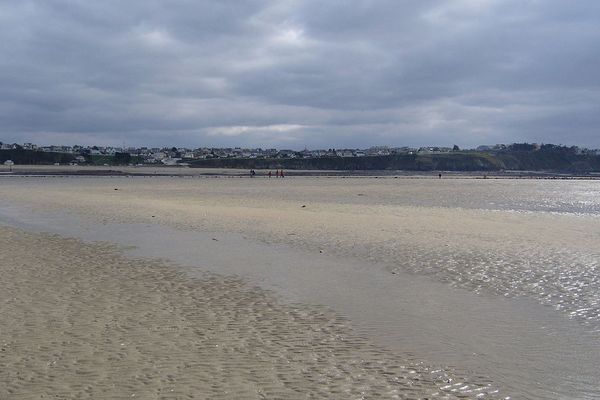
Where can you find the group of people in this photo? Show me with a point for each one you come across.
(278, 174)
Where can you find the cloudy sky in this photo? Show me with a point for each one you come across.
(296, 73)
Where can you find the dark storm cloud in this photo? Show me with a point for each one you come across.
(300, 73)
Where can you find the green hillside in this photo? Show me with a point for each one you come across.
(454, 161)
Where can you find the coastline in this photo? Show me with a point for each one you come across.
(184, 171)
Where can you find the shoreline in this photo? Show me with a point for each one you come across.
(409, 275)
(149, 171)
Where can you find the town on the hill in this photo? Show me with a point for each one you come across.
(511, 157)
(181, 155)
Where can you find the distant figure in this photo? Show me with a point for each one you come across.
(252, 173)
(281, 174)
(277, 173)
(269, 174)
(439, 176)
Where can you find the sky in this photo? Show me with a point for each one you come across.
(300, 73)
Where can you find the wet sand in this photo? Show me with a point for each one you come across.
(538, 251)
(533, 240)
(83, 321)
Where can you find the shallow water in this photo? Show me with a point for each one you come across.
(577, 197)
(524, 349)
(454, 272)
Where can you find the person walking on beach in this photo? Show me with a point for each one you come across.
(269, 174)
(277, 173)
(281, 174)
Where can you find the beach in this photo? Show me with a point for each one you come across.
(82, 321)
(233, 287)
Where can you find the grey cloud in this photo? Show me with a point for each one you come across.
(300, 73)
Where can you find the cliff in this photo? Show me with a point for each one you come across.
(455, 161)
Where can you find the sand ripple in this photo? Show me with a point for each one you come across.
(83, 321)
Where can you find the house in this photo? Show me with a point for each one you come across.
(159, 156)
(344, 153)
(378, 151)
(170, 161)
(286, 154)
(305, 153)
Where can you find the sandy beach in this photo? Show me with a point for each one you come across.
(82, 321)
(184, 170)
(103, 321)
